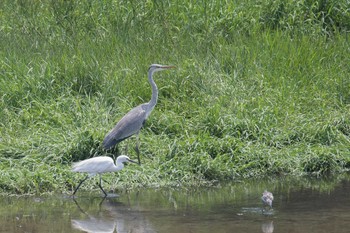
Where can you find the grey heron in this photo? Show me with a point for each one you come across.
(99, 165)
(133, 121)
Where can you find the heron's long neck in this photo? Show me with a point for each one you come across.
(154, 98)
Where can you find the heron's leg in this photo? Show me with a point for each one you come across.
(137, 147)
(76, 189)
(100, 185)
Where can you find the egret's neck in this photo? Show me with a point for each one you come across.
(154, 98)
(119, 166)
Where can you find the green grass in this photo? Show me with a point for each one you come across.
(260, 89)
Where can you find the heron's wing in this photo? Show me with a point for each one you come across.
(94, 165)
(129, 125)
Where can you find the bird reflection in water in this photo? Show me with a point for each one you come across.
(112, 216)
(267, 227)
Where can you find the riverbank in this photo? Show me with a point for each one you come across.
(260, 89)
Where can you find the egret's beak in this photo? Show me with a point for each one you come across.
(132, 161)
(168, 67)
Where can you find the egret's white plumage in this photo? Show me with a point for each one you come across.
(99, 165)
(133, 121)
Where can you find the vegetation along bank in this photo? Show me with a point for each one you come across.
(261, 88)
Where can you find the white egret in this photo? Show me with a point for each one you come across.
(133, 121)
(99, 165)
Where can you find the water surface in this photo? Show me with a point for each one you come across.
(300, 205)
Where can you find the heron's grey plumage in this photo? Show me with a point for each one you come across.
(129, 125)
(133, 121)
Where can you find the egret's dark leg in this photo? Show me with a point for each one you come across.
(100, 205)
(100, 185)
(76, 189)
(75, 201)
(137, 148)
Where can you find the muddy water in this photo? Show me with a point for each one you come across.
(300, 205)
